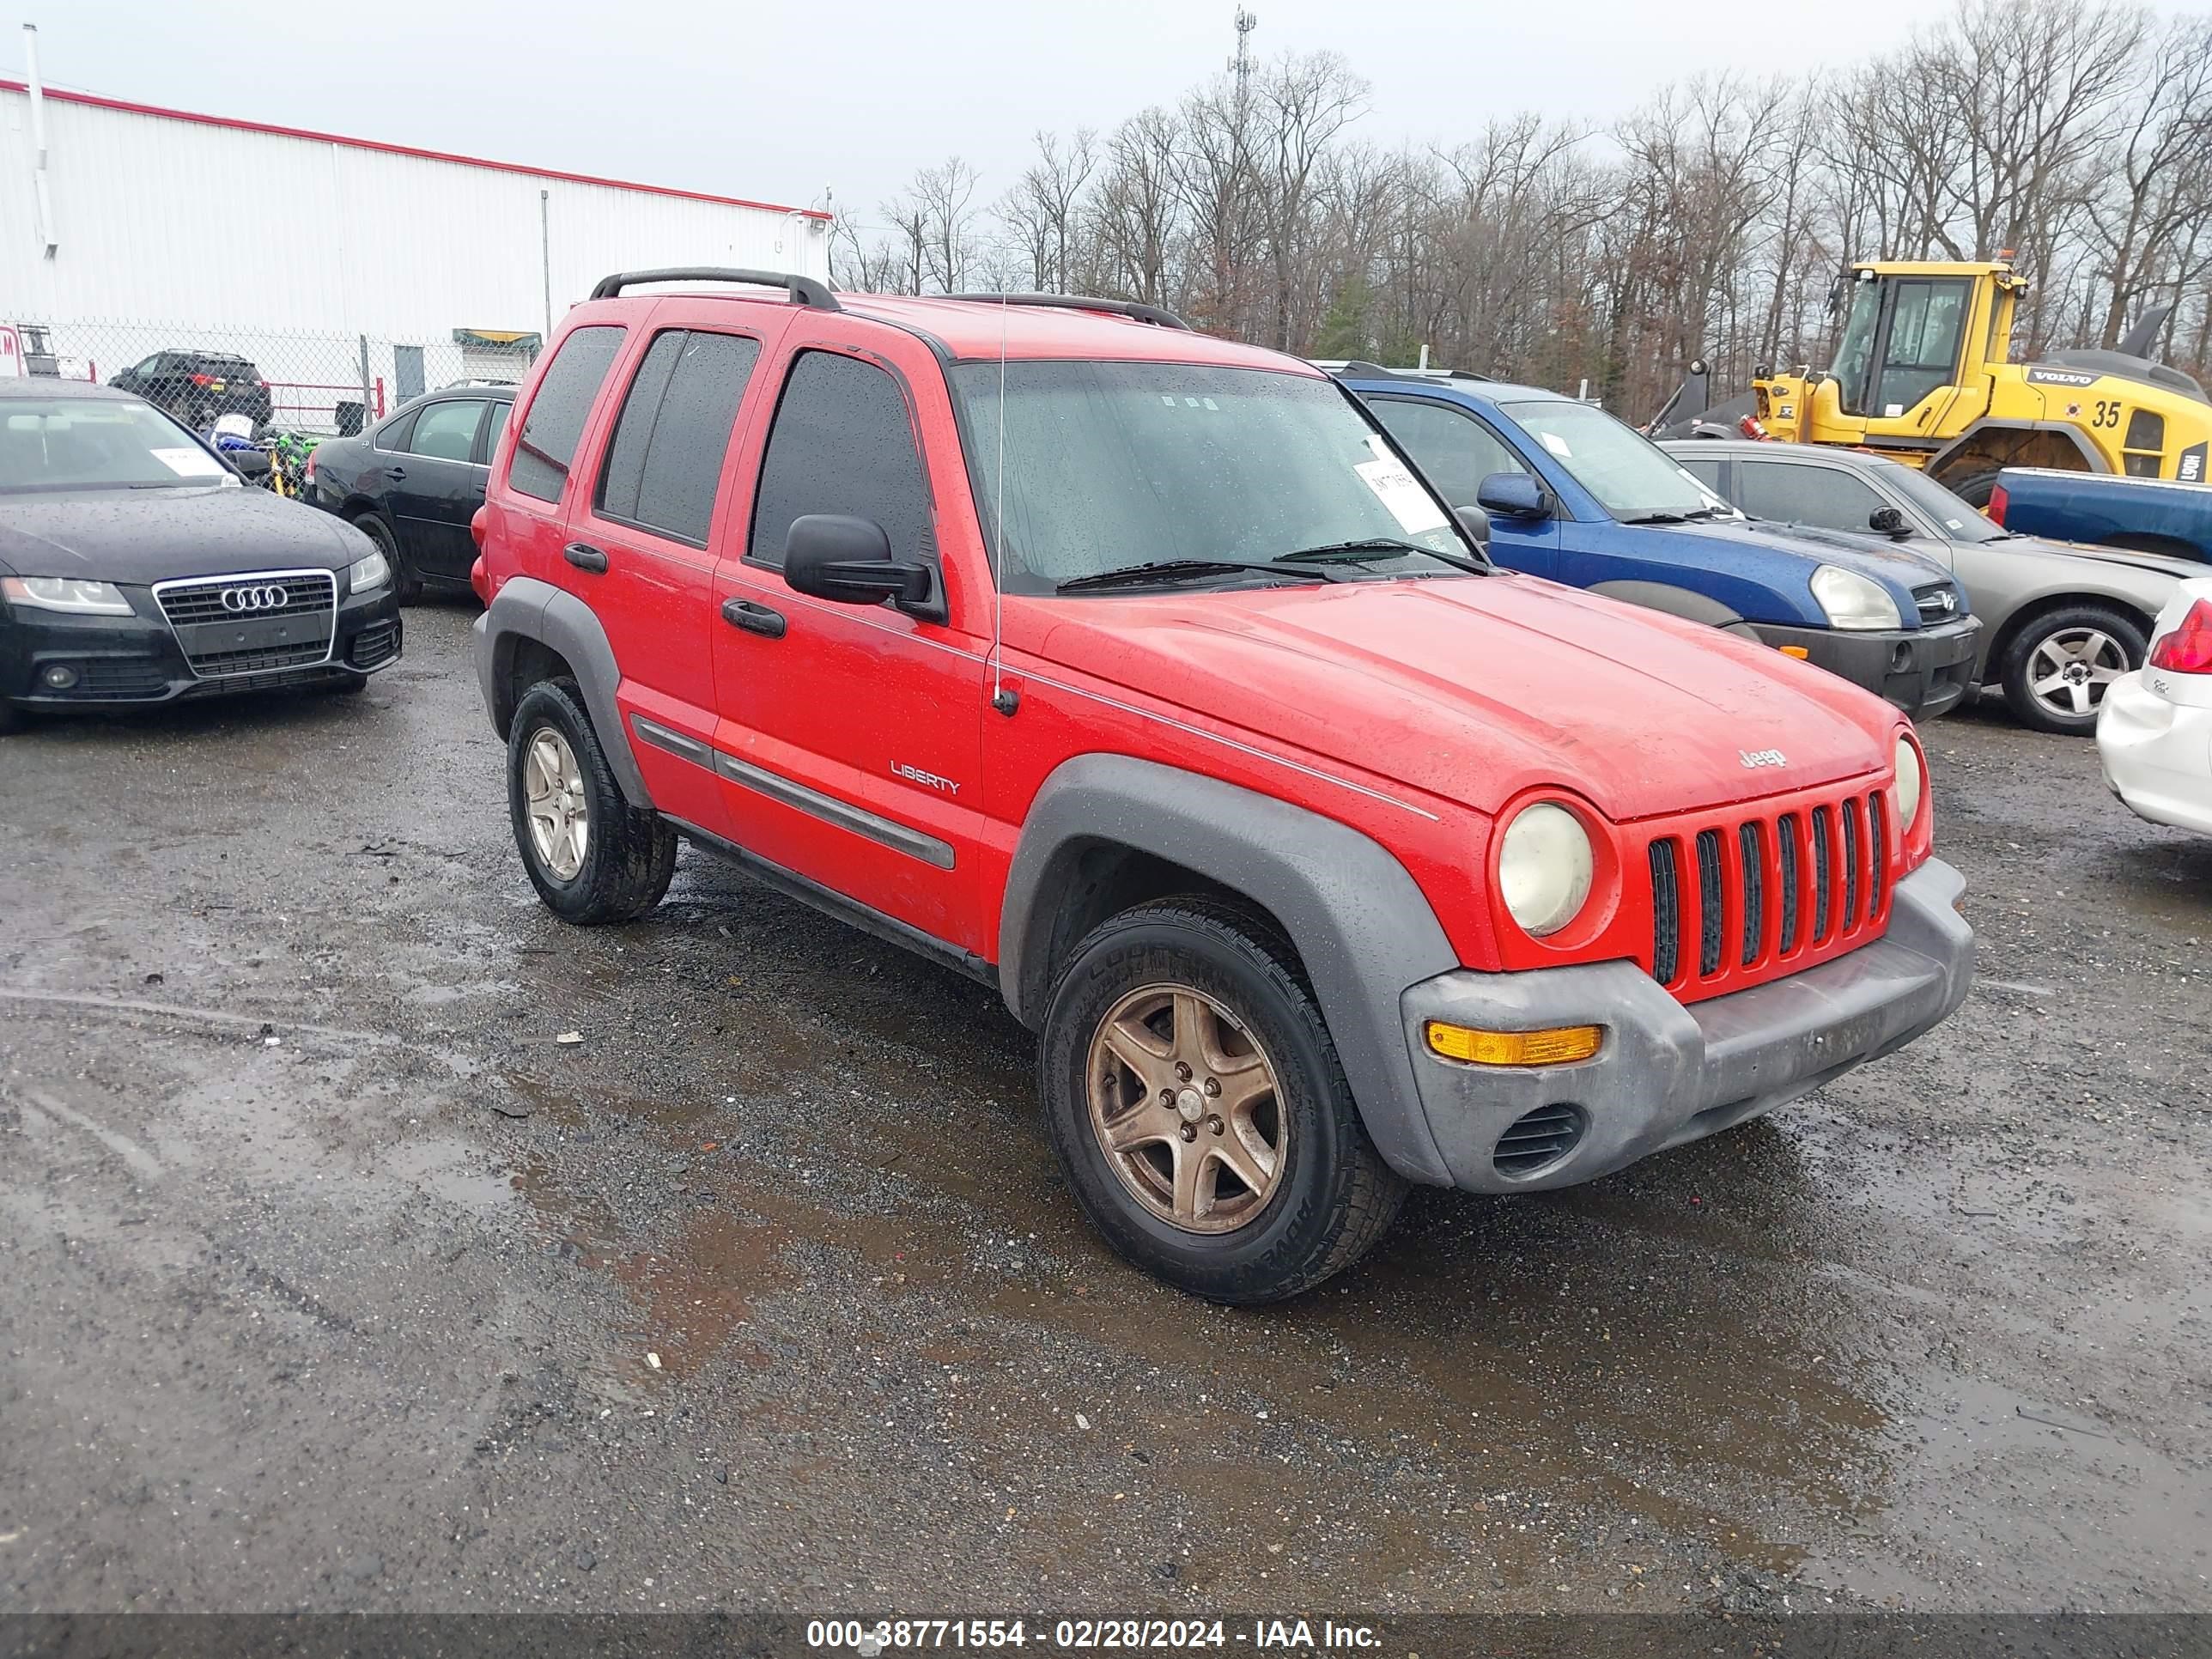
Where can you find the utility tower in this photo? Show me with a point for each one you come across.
(1242, 63)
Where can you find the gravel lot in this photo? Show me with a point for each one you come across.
(331, 1279)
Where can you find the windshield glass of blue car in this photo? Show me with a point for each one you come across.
(1111, 465)
(99, 443)
(1633, 479)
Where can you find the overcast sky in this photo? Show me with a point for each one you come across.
(778, 99)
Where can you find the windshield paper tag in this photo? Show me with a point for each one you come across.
(1398, 490)
(189, 462)
(1556, 445)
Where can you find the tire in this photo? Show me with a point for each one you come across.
(12, 719)
(1972, 488)
(352, 685)
(2084, 645)
(1328, 1195)
(406, 580)
(625, 857)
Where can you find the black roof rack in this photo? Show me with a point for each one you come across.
(1155, 315)
(803, 290)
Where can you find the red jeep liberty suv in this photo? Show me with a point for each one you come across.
(1139, 674)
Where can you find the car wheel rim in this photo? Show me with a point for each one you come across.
(553, 791)
(2069, 672)
(1186, 1108)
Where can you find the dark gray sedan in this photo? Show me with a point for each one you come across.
(2062, 621)
(135, 569)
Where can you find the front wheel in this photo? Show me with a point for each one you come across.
(2058, 667)
(1199, 1108)
(593, 856)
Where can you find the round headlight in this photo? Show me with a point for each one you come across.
(1544, 868)
(1911, 783)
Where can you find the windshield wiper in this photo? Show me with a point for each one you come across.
(1370, 550)
(1710, 512)
(1176, 570)
(1657, 517)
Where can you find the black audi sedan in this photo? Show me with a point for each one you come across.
(412, 483)
(135, 569)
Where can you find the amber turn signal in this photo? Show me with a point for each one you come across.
(1557, 1047)
(1797, 651)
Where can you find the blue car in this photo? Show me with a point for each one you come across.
(1573, 494)
(2147, 515)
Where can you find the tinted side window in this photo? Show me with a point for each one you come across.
(665, 462)
(1456, 451)
(841, 443)
(1823, 495)
(555, 425)
(394, 434)
(1706, 471)
(496, 425)
(447, 432)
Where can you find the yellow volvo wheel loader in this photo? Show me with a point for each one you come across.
(1921, 374)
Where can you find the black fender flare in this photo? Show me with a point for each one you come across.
(1359, 920)
(1676, 602)
(528, 609)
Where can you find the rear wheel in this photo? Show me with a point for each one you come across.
(2059, 665)
(1199, 1108)
(406, 581)
(591, 855)
(1973, 488)
(11, 719)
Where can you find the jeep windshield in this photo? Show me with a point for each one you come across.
(1633, 479)
(1161, 473)
(98, 443)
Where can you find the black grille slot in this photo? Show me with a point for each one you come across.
(1822, 873)
(1792, 854)
(1538, 1140)
(1751, 843)
(1666, 913)
(374, 645)
(1878, 834)
(259, 662)
(1709, 902)
(1854, 866)
(114, 676)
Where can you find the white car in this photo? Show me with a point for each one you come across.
(2154, 733)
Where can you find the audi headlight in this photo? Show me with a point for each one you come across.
(1851, 600)
(363, 575)
(1544, 868)
(67, 594)
(1911, 783)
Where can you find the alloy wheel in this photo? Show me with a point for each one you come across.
(560, 818)
(2069, 672)
(1184, 1104)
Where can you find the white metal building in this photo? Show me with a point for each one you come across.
(141, 228)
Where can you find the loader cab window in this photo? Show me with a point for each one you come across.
(1900, 342)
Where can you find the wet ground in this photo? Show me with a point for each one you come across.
(331, 1277)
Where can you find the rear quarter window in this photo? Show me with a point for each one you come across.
(560, 409)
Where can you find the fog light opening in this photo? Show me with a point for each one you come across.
(1560, 1045)
(57, 676)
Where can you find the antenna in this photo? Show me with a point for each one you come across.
(1241, 65)
(1004, 701)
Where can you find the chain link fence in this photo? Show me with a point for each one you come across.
(286, 382)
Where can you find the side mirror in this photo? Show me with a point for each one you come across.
(1513, 495)
(1476, 523)
(1889, 521)
(832, 556)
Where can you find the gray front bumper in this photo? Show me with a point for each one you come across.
(1667, 1073)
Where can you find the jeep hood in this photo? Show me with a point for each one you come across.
(1474, 688)
(144, 536)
